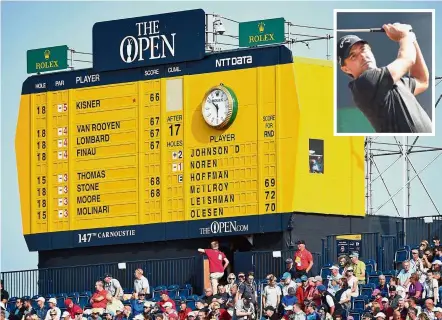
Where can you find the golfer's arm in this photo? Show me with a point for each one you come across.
(419, 71)
(405, 59)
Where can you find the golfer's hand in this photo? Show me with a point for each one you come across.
(396, 31)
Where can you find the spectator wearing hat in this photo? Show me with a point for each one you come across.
(140, 283)
(272, 293)
(53, 307)
(216, 267)
(290, 268)
(437, 313)
(358, 267)
(169, 310)
(41, 310)
(289, 299)
(71, 308)
(332, 305)
(98, 299)
(303, 260)
(334, 280)
(113, 286)
(164, 299)
(138, 304)
(353, 282)
(380, 316)
(299, 291)
(218, 313)
(287, 283)
(4, 295)
(270, 313)
(394, 297)
(244, 308)
(65, 315)
(184, 310)
(191, 316)
(95, 314)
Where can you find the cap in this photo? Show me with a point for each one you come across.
(53, 300)
(334, 268)
(437, 309)
(167, 304)
(321, 288)
(191, 314)
(183, 301)
(164, 292)
(354, 255)
(344, 47)
(376, 292)
(437, 262)
(436, 238)
(288, 260)
(384, 299)
(285, 276)
(318, 278)
(392, 288)
(269, 308)
(366, 315)
(41, 299)
(107, 275)
(350, 269)
(139, 317)
(380, 314)
(304, 278)
(289, 308)
(298, 280)
(300, 242)
(96, 310)
(65, 314)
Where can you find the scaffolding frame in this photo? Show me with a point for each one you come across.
(402, 149)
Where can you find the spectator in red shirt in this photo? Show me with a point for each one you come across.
(72, 308)
(164, 299)
(184, 311)
(303, 260)
(216, 267)
(98, 299)
(299, 291)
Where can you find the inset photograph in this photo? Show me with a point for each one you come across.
(384, 77)
(316, 156)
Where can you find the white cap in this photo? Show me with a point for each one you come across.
(65, 314)
(167, 304)
(288, 308)
(380, 314)
(334, 268)
(139, 317)
(41, 299)
(384, 299)
(53, 300)
(438, 262)
(437, 309)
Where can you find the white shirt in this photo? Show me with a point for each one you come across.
(140, 284)
(272, 294)
(285, 288)
(351, 281)
(48, 314)
(330, 302)
(112, 287)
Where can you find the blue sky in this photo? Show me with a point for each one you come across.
(29, 25)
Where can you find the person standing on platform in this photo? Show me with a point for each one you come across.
(303, 260)
(216, 267)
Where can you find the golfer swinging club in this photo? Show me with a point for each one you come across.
(385, 95)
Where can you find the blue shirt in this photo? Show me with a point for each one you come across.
(137, 307)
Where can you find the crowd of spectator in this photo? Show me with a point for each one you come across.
(415, 292)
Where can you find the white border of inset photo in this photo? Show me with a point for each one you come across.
(432, 73)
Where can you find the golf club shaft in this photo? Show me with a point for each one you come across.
(364, 30)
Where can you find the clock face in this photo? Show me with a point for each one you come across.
(219, 107)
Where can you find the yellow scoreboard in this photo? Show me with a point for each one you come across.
(224, 145)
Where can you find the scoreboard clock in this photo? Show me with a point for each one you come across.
(220, 107)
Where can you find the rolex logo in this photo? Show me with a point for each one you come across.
(47, 54)
(261, 26)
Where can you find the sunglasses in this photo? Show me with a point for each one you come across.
(232, 278)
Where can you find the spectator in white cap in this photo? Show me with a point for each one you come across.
(66, 315)
(41, 310)
(438, 313)
(358, 267)
(53, 308)
(380, 316)
(334, 280)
